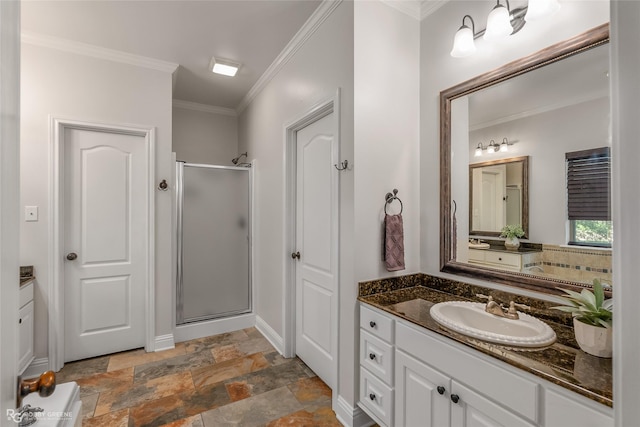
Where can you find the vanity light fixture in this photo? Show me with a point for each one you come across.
(224, 66)
(493, 147)
(501, 23)
(504, 146)
(479, 149)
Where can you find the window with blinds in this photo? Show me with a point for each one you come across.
(588, 196)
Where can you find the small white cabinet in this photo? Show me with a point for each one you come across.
(25, 327)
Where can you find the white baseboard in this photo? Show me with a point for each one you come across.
(350, 416)
(36, 368)
(207, 328)
(270, 334)
(164, 342)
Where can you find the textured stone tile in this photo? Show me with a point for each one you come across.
(275, 358)
(238, 390)
(176, 407)
(310, 390)
(219, 372)
(112, 419)
(322, 417)
(253, 333)
(255, 345)
(195, 421)
(254, 411)
(264, 380)
(226, 352)
(89, 405)
(174, 365)
(128, 359)
(208, 343)
(105, 382)
(128, 396)
(82, 368)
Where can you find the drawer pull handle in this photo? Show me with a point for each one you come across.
(372, 324)
(455, 398)
(499, 259)
(372, 396)
(440, 389)
(372, 356)
(20, 321)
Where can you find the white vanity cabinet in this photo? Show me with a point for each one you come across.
(377, 365)
(497, 259)
(25, 327)
(438, 382)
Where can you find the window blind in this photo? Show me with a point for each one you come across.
(588, 184)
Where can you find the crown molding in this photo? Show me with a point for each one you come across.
(213, 109)
(411, 8)
(93, 51)
(308, 29)
(430, 6)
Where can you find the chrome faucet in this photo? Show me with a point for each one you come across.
(496, 309)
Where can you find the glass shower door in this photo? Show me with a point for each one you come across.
(213, 242)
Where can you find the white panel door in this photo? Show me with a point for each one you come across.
(316, 241)
(105, 242)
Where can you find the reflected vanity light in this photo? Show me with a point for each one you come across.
(493, 147)
(501, 23)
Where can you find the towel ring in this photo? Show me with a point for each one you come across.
(390, 198)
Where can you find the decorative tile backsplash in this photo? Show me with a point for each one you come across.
(575, 264)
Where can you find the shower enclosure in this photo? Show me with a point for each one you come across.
(213, 242)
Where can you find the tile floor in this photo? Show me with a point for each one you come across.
(232, 379)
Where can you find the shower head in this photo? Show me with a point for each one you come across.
(235, 161)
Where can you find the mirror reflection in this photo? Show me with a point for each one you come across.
(543, 117)
(498, 195)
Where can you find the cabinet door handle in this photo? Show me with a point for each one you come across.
(72, 256)
(455, 398)
(440, 389)
(20, 321)
(372, 396)
(372, 324)
(372, 356)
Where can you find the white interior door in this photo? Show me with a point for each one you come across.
(317, 243)
(105, 242)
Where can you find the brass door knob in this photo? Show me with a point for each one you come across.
(44, 385)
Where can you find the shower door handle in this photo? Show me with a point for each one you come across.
(295, 255)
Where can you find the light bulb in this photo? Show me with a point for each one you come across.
(498, 24)
(463, 44)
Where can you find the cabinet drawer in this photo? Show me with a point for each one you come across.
(501, 385)
(26, 294)
(503, 258)
(562, 411)
(376, 396)
(376, 323)
(377, 356)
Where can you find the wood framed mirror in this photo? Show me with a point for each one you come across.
(457, 135)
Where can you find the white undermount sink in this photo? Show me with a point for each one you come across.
(469, 318)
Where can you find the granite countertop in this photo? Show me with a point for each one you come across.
(501, 248)
(25, 280)
(561, 363)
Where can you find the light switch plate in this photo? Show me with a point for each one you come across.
(30, 213)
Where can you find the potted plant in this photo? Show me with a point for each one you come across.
(592, 319)
(512, 232)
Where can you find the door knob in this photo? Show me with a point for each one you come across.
(71, 256)
(44, 385)
(455, 398)
(440, 389)
(295, 255)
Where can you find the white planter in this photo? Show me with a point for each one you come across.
(594, 340)
(512, 243)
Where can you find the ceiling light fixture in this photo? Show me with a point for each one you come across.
(224, 66)
(501, 23)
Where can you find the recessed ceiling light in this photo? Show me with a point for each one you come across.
(224, 66)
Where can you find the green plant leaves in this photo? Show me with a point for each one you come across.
(588, 307)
